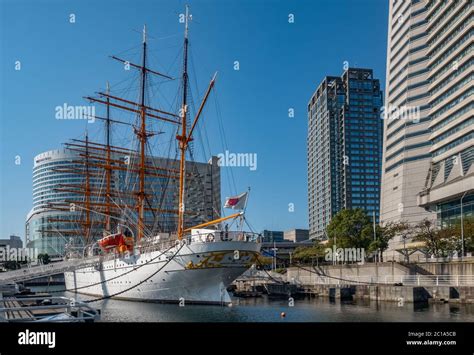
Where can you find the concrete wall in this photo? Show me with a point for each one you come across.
(353, 270)
(453, 268)
(346, 289)
(381, 270)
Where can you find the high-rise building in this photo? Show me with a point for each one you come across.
(49, 229)
(344, 147)
(450, 179)
(406, 124)
(428, 127)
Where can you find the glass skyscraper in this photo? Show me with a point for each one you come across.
(344, 147)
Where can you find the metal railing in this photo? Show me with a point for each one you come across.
(46, 270)
(405, 280)
(222, 236)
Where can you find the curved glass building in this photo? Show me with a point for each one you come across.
(49, 229)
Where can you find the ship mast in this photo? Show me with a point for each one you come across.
(183, 137)
(108, 169)
(103, 156)
(186, 136)
(142, 135)
(87, 193)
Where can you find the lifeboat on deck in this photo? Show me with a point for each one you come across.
(119, 242)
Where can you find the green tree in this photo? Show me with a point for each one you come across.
(12, 265)
(306, 254)
(439, 242)
(455, 231)
(351, 229)
(468, 233)
(44, 258)
(384, 234)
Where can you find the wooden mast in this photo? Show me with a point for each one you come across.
(183, 137)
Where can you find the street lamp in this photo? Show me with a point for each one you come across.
(274, 255)
(462, 227)
(405, 252)
(375, 234)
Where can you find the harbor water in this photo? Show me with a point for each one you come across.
(264, 309)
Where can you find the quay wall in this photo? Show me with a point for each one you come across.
(380, 270)
(451, 268)
(340, 289)
(391, 293)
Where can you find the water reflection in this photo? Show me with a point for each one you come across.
(267, 310)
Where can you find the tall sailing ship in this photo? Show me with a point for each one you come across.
(136, 261)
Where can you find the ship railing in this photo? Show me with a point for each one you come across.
(223, 236)
(402, 280)
(27, 309)
(161, 245)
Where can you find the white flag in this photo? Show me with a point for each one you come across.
(236, 202)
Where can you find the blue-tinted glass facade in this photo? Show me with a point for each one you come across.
(344, 147)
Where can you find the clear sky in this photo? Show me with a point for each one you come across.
(280, 65)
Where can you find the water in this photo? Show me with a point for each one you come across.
(266, 310)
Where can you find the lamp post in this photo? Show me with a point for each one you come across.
(274, 255)
(375, 234)
(405, 253)
(462, 227)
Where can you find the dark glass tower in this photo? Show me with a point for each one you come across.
(344, 147)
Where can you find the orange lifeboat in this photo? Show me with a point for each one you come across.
(117, 241)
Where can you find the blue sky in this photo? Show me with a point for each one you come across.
(281, 64)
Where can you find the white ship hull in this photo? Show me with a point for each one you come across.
(198, 273)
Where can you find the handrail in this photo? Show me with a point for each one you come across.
(402, 280)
